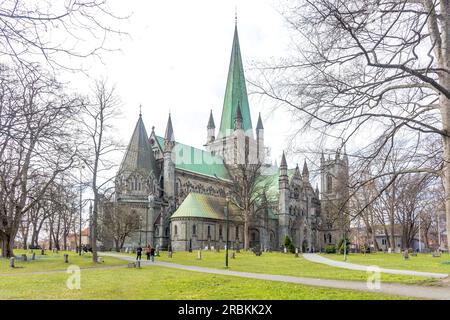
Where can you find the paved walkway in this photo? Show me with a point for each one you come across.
(440, 293)
(313, 257)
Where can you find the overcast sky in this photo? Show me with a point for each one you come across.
(177, 58)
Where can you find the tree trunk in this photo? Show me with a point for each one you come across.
(246, 236)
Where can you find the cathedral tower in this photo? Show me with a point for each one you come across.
(283, 201)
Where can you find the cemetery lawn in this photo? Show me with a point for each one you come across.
(53, 261)
(281, 264)
(156, 282)
(422, 262)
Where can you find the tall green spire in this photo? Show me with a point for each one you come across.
(235, 92)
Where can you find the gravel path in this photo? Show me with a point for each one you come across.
(313, 257)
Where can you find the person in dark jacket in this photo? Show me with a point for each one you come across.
(139, 253)
(152, 253)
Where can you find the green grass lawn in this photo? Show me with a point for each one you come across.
(282, 264)
(157, 282)
(53, 261)
(422, 262)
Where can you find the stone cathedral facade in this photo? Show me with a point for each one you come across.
(180, 192)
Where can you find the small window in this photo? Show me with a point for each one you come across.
(194, 229)
(329, 183)
(237, 232)
(209, 231)
(220, 230)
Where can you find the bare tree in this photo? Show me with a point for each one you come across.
(99, 143)
(36, 117)
(369, 72)
(248, 192)
(57, 33)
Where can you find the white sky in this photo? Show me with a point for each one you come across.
(177, 58)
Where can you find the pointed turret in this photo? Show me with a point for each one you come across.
(305, 171)
(169, 137)
(139, 155)
(169, 164)
(259, 125)
(238, 118)
(283, 161)
(235, 91)
(210, 128)
(297, 170)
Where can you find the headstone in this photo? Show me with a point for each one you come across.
(296, 252)
(199, 254)
(285, 250)
(232, 254)
(66, 258)
(11, 262)
(33, 256)
(212, 248)
(131, 265)
(169, 254)
(42, 252)
(389, 250)
(24, 257)
(436, 254)
(127, 250)
(99, 259)
(406, 255)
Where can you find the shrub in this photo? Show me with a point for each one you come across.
(289, 245)
(330, 249)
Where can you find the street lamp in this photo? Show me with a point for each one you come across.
(81, 208)
(227, 232)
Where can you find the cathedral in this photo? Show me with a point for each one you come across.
(180, 193)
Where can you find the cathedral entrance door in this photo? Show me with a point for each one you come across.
(254, 238)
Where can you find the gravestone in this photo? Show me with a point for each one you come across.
(127, 250)
(397, 250)
(131, 265)
(99, 259)
(389, 250)
(296, 252)
(24, 257)
(436, 254)
(66, 258)
(199, 254)
(11, 262)
(33, 256)
(169, 254)
(232, 254)
(42, 252)
(285, 250)
(406, 255)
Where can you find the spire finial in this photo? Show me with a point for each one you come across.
(235, 15)
(140, 110)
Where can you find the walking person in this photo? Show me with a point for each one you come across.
(147, 251)
(152, 253)
(139, 253)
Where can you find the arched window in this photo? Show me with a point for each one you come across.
(220, 230)
(329, 183)
(324, 238)
(194, 229)
(175, 230)
(209, 231)
(329, 238)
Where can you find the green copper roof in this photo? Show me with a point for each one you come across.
(235, 92)
(270, 182)
(197, 161)
(198, 205)
(139, 155)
